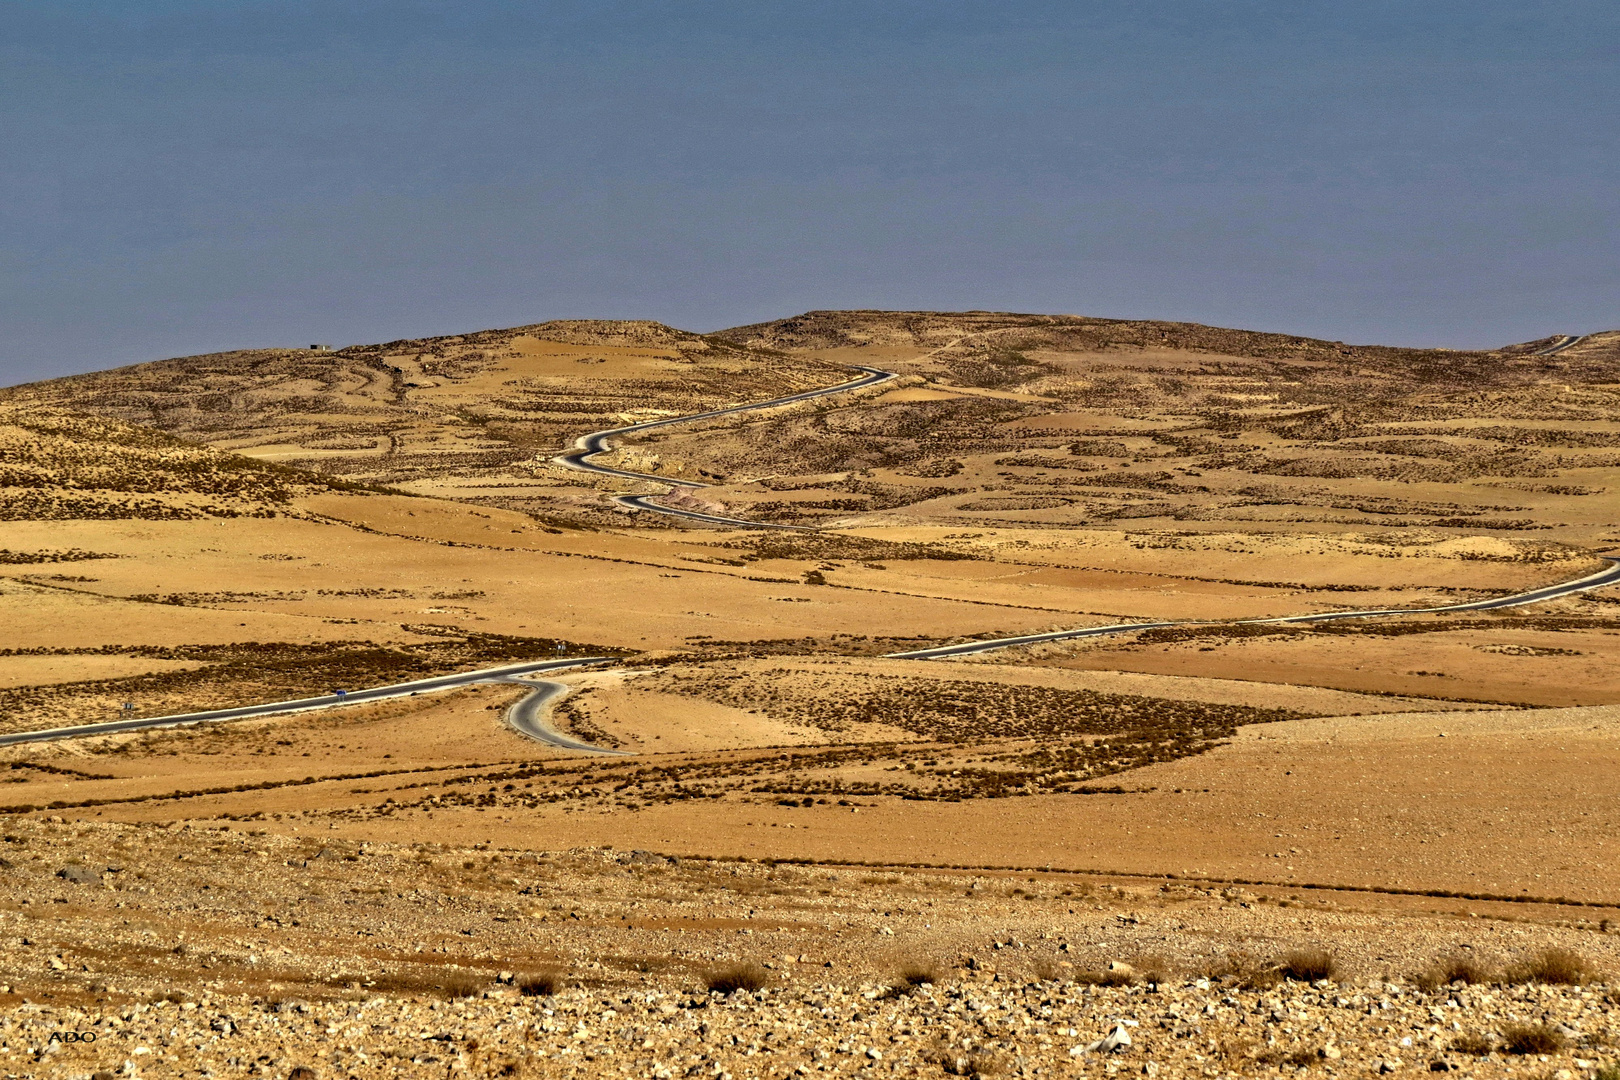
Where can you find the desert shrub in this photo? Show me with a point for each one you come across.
(301, 1072)
(462, 986)
(1244, 971)
(1301, 1058)
(1308, 965)
(1458, 969)
(1555, 967)
(1608, 1072)
(1475, 1044)
(1152, 970)
(1531, 1039)
(933, 468)
(913, 976)
(734, 977)
(1106, 978)
(955, 1062)
(541, 983)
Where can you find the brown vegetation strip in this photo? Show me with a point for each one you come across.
(1192, 879)
(264, 785)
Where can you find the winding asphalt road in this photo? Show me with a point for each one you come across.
(506, 673)
(528, 716)
(597, 442)
(1560, 345)
(1598, 580)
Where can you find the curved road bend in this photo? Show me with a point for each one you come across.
(1560, 345)
(380, 693)
(597, 442)
(528, 716)
(1600, 579)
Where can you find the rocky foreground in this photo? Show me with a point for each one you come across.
(1196, 1028)
(224, 951)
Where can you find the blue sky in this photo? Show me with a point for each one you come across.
(181, 177)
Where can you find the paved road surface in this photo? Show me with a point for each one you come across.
(1560, 345)
(528, 717)
(1599, 580)
(597, 442)
(380, 693)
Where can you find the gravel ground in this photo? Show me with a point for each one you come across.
(219, 951)
(1020, 1029)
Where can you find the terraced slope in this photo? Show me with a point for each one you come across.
(56, 466)
(473, 416)
(1039, 421)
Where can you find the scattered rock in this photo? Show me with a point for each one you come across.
(1112, 1043)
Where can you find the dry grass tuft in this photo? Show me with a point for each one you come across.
(1106, 978)
(1555, 967)
(1458, 969)
(913, 977)
(1474, 1043)
(1531, 1039)
(965, 1063)
(1308, 965)
(541, 984)
(1152, 970)
(1051, 971)
(463, 986)
(1300, 1058)
(735, 977)
(1244, 971)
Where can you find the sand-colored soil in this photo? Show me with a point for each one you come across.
(1504, 662)
(46, 670)
(1500, 803)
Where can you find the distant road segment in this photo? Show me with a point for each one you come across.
(598, 442)
(645, 502)
(1564, 342)
(1600, 579)
(505, 673)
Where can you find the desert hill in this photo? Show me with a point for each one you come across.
(1023, 472)
(970, 335)
(1041, 421)
(464, 415)
(1016, 420)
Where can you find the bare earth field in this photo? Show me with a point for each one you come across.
(808, 856)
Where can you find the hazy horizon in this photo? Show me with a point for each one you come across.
(188, 178)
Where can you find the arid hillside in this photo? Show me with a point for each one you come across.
(57, 465)
(953, 335)
(472, 416)
(1042, 422)
(1001, 420)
